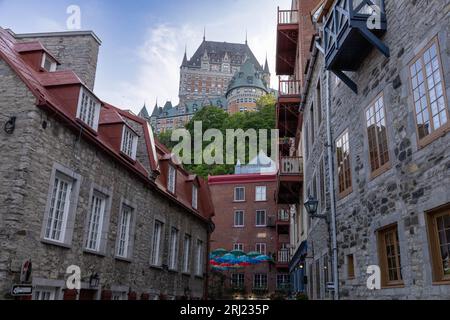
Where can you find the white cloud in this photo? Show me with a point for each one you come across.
(161, 53)
(159, 59)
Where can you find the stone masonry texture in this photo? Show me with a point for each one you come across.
(28, 156)
(419, 177)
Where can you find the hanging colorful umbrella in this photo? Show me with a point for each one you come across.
(227, 258)
(213, 263)
(244, 258)
(219, 252)
(253, 254)
(217, 268)
(238, 253)
(263, 258)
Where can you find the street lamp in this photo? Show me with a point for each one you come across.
(311, 207)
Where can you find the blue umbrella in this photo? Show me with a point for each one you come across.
(263, 258)
(228, 258)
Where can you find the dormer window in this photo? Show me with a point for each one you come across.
(48, 63)
(194, 197)
(129, 142)
(88, 109)
(171, 179)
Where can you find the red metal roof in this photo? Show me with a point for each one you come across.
(242, 178)
(39, 84)
(32, 46)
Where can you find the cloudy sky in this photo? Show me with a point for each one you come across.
(144, 41)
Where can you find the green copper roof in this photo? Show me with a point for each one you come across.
(247, 76)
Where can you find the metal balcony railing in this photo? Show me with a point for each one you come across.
(291, 165)
(289, 88)
(283, 256)
(287, 16)
(283, 215)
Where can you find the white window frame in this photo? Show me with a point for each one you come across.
(124, 232)
(53, 63)
(238, 246)
(187, 252)
(173, 253)
(235, 224)
(261, 193)
(49, 225)
(91, 102)
(119, 296)
(237, 279)
(41, 293)
(258, 277)
(129, 142)
(171, 179)
(199, 259)
(194, 197)
(98, 213)
(257, 218)
(259, 248)
(65, 240)
(158, 228)
(235, 194)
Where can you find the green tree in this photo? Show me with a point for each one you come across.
(166, 139)
(216, 118)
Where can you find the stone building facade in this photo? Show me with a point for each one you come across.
(90, 187)
(390, 160)
(247, 219)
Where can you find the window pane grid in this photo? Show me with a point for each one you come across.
(124, 233)
(377, 135)
(88, 108)
(343, 160)
(95, 222)
(391, 247)
(443, 226)
(58, 210)
(261, 218)
(156, 243)
(428, 92)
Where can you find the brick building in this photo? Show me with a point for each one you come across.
(374, 138)
(84, 183)
(247, 218)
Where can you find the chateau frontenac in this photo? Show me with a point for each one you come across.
(221, 74)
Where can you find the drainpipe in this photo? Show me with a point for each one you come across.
(331, 186)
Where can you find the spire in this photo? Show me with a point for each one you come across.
(144, 112)
(246, 37)
(266, 66)
(204, 34)
(185, 60)
(156, 109)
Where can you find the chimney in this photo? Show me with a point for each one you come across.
(76, 50)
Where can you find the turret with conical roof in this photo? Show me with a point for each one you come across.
(144, 113)
(247, 77)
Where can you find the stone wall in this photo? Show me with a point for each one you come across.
(28, 157)
(418, 177)
(76, 51)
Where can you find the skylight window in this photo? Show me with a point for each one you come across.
(129, 142)
(48, 63)
(88, 109)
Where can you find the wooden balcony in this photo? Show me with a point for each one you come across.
(287, 41)
(290, 180)
(352, 30)
(289, 118)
